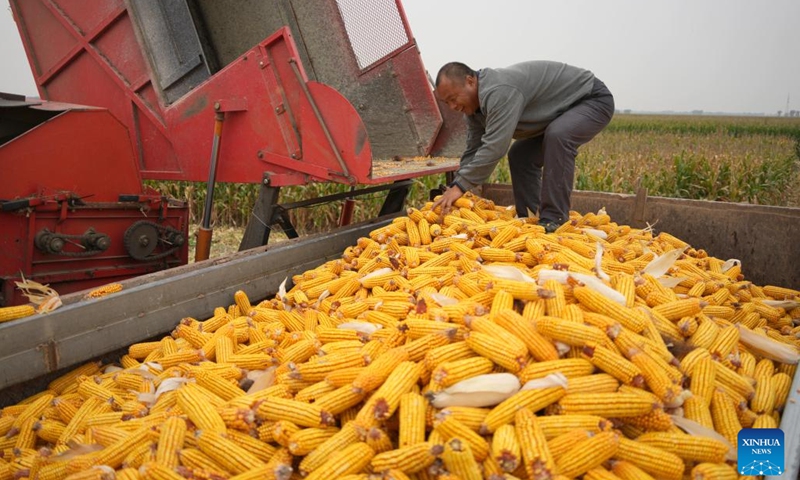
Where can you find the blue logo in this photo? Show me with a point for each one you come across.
(761, 451)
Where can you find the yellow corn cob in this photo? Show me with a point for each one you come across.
(506, 448)
(305, 414)
(715, 471)
(781, 384)
(624, 284)
(252, 445)
(314, 392)
(344, 376)
(217, 385)
(535, 400)
(588, 454)
(12, 313)
(688, 447)
(157, 471)
(279, 467)
(316, 371)
(447, 353)
(89, 408)
(192, 402)
(596, 302)
(340, 399)
(339, 441)
(496, 350)
(378, 371)
(504, 235)
(197, 460)
(725, 342)
(555, 302)
(459, 460)
(114, 454)
(657, 378)
(540, 347)
(386, 399)
(517, 289)
(569, 367)
(451, 428)
(127, 474)
(698, 409)
(472, 417)
(410, 459)
(377, 439)
(419, 347)
(282, 432)
(48, 430)
(571, 333)
(728, 378)
(170, 441)
(628, 471)
(34, 409)
(450, 373)
(614, 364)
(351, 459)
(605, 404)
(502, 301)
(600, 473)
(26, 436)
(598, 382)
(61, 383)
(227, 453)
(536, 458)
(412, 419)
(652, 460)
(723, 413)
(765, 421)
(565, 443)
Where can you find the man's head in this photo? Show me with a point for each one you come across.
(457, 86)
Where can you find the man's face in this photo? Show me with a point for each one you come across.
(460, 94)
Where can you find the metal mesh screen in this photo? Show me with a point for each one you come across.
(374, 32)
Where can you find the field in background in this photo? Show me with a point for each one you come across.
(732, 159)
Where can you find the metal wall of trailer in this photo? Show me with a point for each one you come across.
(153, 305)
(766, 239)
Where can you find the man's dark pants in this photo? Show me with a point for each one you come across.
(548, 191)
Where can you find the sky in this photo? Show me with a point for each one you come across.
(731, 56)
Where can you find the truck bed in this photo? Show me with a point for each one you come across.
(36, 349)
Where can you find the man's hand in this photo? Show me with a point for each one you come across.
(447, 199)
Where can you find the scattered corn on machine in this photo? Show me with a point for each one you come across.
(275, 93)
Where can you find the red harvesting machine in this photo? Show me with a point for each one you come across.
(278, 93)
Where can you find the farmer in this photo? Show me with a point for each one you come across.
(548, 108)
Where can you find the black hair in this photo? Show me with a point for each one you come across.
(455, 71)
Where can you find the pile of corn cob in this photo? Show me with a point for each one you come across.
(405, 357)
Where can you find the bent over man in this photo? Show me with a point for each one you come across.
(548, 108)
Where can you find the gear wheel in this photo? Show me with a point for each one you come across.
(141, 239)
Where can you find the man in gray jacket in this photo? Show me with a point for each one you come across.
(548, 108)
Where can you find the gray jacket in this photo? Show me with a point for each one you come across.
(516, 102)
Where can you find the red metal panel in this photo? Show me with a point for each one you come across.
(46, 41)
(86, 152)
(88, 15)
(91, 56)
(127, 62)
(19, 257)
(71, 169)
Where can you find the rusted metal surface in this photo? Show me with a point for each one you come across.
(764, 238)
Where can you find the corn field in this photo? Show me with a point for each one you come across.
(732, 159)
